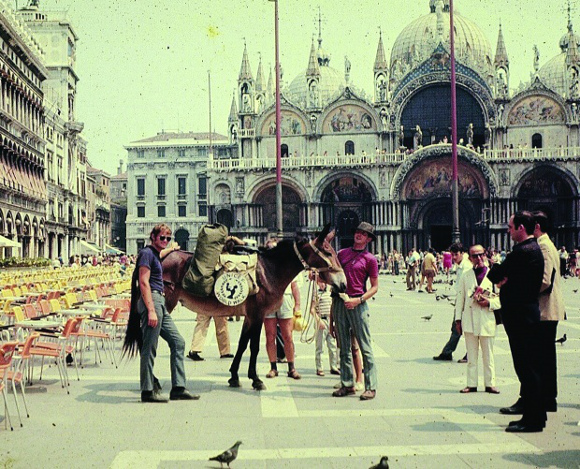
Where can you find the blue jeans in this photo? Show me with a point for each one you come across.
(168, 331)
(356, 319)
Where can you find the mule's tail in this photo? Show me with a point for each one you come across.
(133, 335)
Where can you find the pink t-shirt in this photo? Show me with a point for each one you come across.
(358, 267)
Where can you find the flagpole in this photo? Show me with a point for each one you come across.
(455, 234)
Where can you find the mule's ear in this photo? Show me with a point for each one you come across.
(330, 236)
(323, 234)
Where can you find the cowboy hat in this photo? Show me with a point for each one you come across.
(367, 228)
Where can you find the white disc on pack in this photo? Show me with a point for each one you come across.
(231, 289)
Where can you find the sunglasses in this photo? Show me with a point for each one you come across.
(165, 238)
(479, 254)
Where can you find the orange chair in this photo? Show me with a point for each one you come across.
(58, 350)
(7, 351)
(17, 374)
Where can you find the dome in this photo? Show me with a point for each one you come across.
(418, 40)
(553, 74)
(330, 85)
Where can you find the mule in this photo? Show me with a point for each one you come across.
(276, 268)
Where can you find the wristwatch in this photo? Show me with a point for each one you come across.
(362, 300)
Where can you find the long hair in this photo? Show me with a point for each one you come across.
(133, 334)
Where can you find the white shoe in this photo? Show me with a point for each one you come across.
(359, 386)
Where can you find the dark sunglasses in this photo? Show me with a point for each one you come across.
(165, 238)
(479, 254)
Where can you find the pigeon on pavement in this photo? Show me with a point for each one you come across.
(562, 339)
(384, 464)
(228, 455)
(427, 318)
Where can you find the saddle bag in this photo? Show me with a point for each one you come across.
(199, 279)
(241, 264)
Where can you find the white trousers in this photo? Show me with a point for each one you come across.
(473, 343)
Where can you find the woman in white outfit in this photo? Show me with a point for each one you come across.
(474, 313)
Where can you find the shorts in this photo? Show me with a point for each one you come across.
(280, 315)
(429, 273)
(286, 311)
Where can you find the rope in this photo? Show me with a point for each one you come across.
(308, 335)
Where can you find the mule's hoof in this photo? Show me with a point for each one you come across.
(259, 385)
(234, 383)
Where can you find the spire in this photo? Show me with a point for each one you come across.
(380, 60)
(313, 68)
(260, 76)
(270, 86)
(323, 57)
(233, 110)
(501, 57)
(572, 56)
(245, 71)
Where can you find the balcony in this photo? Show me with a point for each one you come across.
(247, 133)
(533, 154)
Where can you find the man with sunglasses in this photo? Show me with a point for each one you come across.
(156, 321)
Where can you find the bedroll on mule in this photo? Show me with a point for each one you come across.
(199, 278)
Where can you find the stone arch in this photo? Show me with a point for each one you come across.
(294, 122)
(181, 236)
(292, 206)
(331, 177)
(536, 108)
(440, 151)
(349, 115)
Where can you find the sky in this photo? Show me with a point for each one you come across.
(143, 64)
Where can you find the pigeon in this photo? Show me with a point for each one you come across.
(228, 455)
(438, 297)
(384, 464)
(575, 291)
(391, 294)
(427, 318)
(562, 339)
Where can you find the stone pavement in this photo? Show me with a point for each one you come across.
(419, 419)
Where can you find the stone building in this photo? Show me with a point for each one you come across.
(22, 184)
(167, 181)
(386, 158)
(99, 214)
(64, 214)
(119, 209)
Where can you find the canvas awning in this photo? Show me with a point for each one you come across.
(8, 243)
(88, 248)
(112, 249)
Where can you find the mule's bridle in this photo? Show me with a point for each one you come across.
(318, 253)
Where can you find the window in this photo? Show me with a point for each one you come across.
(140, 244)
(202, 209)
(181, 153)
(161, 211)
(181, 185)
(202, 184)
(161, 187)
(284, 150)
(202, 152)
(181, 210)
(349, 148)
(537, 141)
(141, 211)
(140, 153)
(161, 153)
(140, 187)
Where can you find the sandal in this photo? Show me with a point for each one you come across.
(343, 391)
(272, 374)
(319, 373)
(468, 390)
(294, 374)
(491, 390)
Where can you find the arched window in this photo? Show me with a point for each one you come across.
(284, 150)
(349, 148)
(537, 141)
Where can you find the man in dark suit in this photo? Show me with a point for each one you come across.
(520, 278)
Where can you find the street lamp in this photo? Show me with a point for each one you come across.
(279, 223)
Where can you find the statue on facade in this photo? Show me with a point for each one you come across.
(401, 136)
(574, 109)
(346, 69)
(536, 59)
(246, 104)
(313, 94)
(487, 135)
(470, 134)
(417, 138)
(573, 74)
(313, 120)
(381, 89)
(500, 109)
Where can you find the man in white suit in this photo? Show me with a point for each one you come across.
(474, 315)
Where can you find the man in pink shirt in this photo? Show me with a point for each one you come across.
(352, 312)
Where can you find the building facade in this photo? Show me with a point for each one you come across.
(65, 176)
(386, 158)
(167, 181)
(22, 183)
(119, 209)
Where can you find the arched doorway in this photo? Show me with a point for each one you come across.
(182, 238)
(347, 222)
(291, 208)
(548, 189)
(225, 217)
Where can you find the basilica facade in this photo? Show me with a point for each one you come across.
(387, 159)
